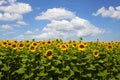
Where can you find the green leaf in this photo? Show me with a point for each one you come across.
(48, 64)
(37, 78)
(1, 75)
(104, 73)
(0, 62)
(58, 71)
(57, 62)
(63, 78)
(66, 68)
(112, 79)
(42, 74)
(20, 70)
(114, 69)
(89, 74)
(28, 76)
(101, 61)
(118, 76)
(5, 68)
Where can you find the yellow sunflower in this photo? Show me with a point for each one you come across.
(4, 44)
(63, 47)
(81, 47)
(49, 54)
(109, 47)
(27, 42)
(40, 48)
(32, 48)
(96, 53)
(35, 44)
(14, 45)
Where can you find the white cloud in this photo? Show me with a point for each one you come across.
(55, 14)
(5, 27)
(29, 32)
(13, 10)
(111, 12)
(60, 27)
(10, 16)
(19, 8)
(11, 1)
(22, 23)
(2, 2)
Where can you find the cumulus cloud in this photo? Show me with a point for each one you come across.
(10, 16)
(13, 10)
(21, 23)
(2, 2)
(21, 8)
(61, 27)
(5, 27)
(29, 32)
(110, 12)
(55, 14)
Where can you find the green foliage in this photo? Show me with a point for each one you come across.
(71, 64)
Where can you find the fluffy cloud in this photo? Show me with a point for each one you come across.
(10, 16)
(21, 23)
(60, 27)
(55, 14)
(14, 10)
(5, 27)
(21, 8)
(2, 2)
(29, 32)
(111, 12)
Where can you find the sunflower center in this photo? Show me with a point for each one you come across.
(34, 44)
(96, 53)
(109, 47)
(4, 43)
(63, 46)
(32, 48)
(21, 45)
(13, 45)
(49, 53)
(81, 46)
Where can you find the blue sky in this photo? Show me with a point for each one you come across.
(66, 19)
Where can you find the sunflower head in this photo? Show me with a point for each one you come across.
(32, 48)
(109, 47)
(96, 53)
(27, 42)
(21, 45)
(81, 47)
(49, 54)
(14, 45)
(4, 43)
(34, 43)
(63, 47)
(40, 48)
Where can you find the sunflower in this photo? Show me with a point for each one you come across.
(40, 48)
(109, 47)
(49, 54)
(96, 53)
(4, 43)
(32, 48)
(35, 44)
(27, 42)
(14, 45)
(74, 45)
(21, 45)
(58, 45)
(64, 47)
(81, 47)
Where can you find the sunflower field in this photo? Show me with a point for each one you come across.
(59, 60)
